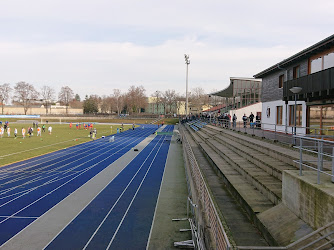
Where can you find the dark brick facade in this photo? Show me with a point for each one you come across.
(270, 83)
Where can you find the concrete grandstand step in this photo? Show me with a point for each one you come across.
(278, 151)
(241, 227)
(284, 225)
(267, 163)
(257, 201)
(255, 175)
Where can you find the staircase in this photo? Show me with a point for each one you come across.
(250, 171)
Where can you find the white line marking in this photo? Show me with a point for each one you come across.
(18, 217)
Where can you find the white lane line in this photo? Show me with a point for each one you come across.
(135, 195)
(18, 217)
(121, 195)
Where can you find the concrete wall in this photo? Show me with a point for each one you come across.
(8, 110)
(311, 202)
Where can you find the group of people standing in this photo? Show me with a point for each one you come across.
(6, 129)
(252, 123)
(225, 119)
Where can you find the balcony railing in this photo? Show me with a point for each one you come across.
(315, 86)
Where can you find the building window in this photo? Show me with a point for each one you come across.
(279, 115)
(316, 65)
(321, 119)
(296, 72)
(329, 60)
(292, 115)
(281, 80)
(322, 62)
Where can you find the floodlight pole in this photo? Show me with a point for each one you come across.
(186, 57)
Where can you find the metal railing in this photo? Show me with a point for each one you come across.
(219, 239)
(276, 132)
(317, 147)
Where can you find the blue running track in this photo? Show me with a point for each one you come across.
(124, 208)
(120, 217)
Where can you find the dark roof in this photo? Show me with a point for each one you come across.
(314, 49)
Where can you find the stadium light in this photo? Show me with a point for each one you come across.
(186, 57)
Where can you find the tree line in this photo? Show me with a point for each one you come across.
(133, 101)
(26, 95)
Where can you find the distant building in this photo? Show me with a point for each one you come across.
(240, 96)
(312, 70)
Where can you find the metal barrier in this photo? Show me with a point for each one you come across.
(219, 239)
(318, 147)
(276, 132)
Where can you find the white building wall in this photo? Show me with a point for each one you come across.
(254, 108)
(269, 120)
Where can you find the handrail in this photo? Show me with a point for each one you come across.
(219, 237)
(276, 132)
(319, 151)
(307, 237)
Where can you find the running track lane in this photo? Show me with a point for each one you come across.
(120, 217)
(14, 216)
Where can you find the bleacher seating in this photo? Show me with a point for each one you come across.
(196, 125)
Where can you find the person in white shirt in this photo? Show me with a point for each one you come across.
(1, 131)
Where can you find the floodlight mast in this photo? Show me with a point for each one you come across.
(186, 57)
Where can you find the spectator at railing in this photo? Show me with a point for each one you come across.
(251, 120)
(234, 119)
(245, 118)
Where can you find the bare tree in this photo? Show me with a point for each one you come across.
(135, 99)
(48, 94)
(5, 89)
(156, 99)
(25, 94)
(107, 104)
(66, 96)
(170, 96)
(197, 99)
(118, 100)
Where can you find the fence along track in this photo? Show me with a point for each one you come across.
(219, 239)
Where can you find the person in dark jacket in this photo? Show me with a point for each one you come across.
(251, 120)
(244, 118)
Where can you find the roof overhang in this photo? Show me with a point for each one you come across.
(227, 92)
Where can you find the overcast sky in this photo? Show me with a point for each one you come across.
(97, 46)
